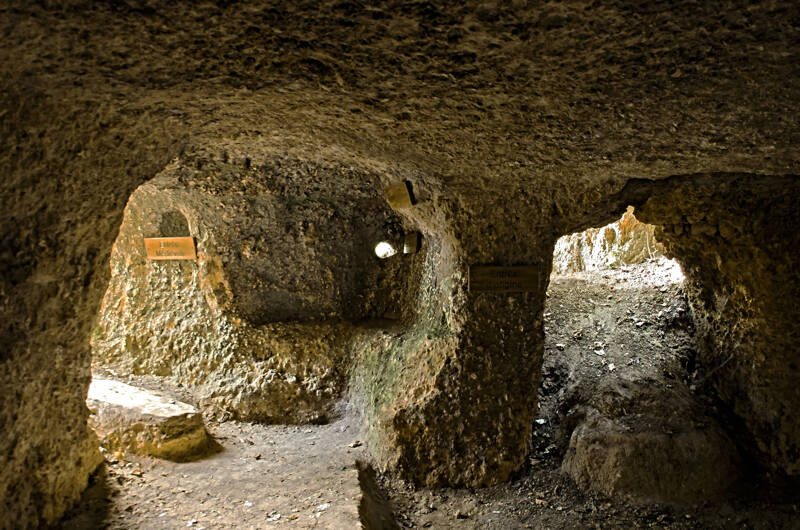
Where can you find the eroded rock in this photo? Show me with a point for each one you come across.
(623, 242)
(448, 401)
(737, 242)
(87, 118)
(131, 419)
(261, 323)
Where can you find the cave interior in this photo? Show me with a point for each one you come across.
(373, 193)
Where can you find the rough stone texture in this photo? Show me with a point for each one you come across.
(261, 323)
(126, 418)
(374, 510)
(622, 242)
(517, 124)
(413, 383)
(54, 267)
(629, 444)
(737, 241)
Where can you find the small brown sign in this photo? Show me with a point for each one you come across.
(411, 243)
(399, 195)
(163, 248)
(491, 279)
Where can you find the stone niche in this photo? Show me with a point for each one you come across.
(261, 324)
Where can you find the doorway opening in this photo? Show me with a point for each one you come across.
(221, 376)
(617, 408)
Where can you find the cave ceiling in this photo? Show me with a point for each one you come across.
(556, 98)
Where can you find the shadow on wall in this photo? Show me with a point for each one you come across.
(92, 510)
(737, 239)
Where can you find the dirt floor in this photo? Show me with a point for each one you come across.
(631, 323)
(263, 476)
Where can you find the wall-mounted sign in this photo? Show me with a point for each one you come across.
(412, 243)
(491, 279)
(164, 248)
(400, 195)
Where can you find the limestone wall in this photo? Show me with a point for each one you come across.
(59, 214)
(449, 400)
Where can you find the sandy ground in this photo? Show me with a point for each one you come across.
(264, 476)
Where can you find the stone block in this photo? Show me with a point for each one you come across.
(131, 419)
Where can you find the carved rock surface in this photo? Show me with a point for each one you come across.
(261, 323)
(514, 119)
(737, 242)
(127, 418)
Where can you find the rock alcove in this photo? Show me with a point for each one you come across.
(262, 323)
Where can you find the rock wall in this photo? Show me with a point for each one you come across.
(448, 400)
(131, 419)
(622, 242)
(58, 216)
(647, 453)
(737, 240)
(261, 323)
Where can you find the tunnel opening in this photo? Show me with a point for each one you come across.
(635, 420)
(617, 407)
(189, 351)
(260, 317)
(384, 250)
(598, 396)
(512, 119)
(650, 384)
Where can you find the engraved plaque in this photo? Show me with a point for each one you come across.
(164, 248)
(399, 195)
(491, 279)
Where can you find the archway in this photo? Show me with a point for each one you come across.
(617, 407)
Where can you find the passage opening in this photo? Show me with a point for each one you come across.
(618, 368)
(384, 250)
